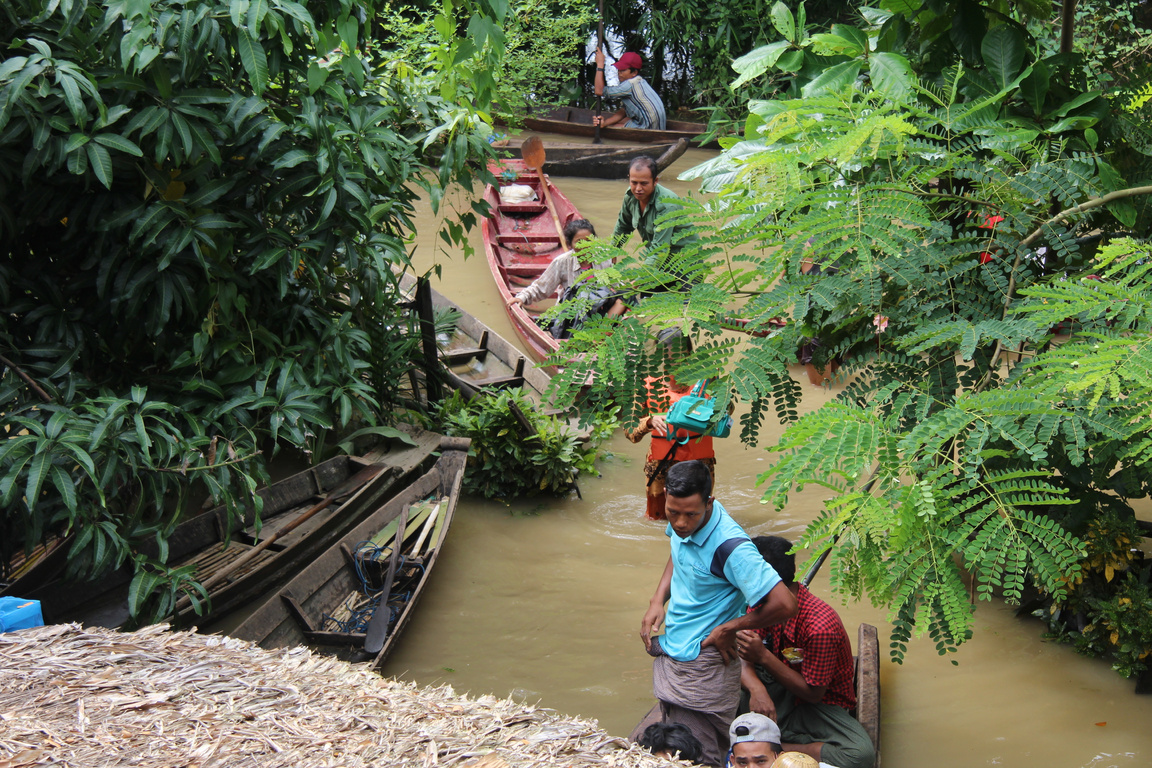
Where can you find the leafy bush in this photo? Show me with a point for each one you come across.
(543, 47)
(1108, 608)
(1121, 626)
(200, 205)
(502, 462)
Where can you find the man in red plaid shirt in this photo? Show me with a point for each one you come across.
(801, 673)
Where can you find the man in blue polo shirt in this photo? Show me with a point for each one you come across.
(713, 573)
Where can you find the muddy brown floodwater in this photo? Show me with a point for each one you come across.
(541, 600)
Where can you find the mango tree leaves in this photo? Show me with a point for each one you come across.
(833, 79)
(892, 75)
(205, 198)
(784, 22)
(1003, 50)
(757, 62)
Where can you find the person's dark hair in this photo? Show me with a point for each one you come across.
(572, 228)
(644, 161)
(673, 738)
(774, 549)
(688, 478)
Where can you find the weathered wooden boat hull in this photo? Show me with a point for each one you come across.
(600, 161)
(27, 573)
(210, 542)
(575, 121)
(477, 358)
(868, 684)
(294, 614)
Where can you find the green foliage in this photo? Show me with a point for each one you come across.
(1121, 627)
(540, 47)
(1112, 589)
(545, 39)
(156, 589)
(503, 463)
(201, 203)
(916, 243)
(1114, 38)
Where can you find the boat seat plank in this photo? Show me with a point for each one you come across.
(355, 639)
(499, 381)
(525, 270)
(296, 612)
(526, 237)
(532, 208)
(464, 354)
(516, 379)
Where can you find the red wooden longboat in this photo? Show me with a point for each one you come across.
(520, 241)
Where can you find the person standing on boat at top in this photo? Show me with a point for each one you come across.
(642, 107)
(713, 572)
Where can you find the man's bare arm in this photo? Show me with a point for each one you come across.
(752, 651)
(654, 616)
(777, 606)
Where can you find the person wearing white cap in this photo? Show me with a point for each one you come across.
(755, 741)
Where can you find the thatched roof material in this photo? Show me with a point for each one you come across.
(92, 697)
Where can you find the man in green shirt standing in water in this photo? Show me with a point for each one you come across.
(645, 202)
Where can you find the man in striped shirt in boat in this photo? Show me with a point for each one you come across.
(642, 107)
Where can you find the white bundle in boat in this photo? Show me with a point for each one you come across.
(517, 193)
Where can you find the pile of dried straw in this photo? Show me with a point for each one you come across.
(94, 697)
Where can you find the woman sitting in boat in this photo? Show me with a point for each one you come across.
(562, 277)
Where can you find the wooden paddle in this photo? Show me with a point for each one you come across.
(599, 99)
(345, 488)
(533, 153)
(378, 626)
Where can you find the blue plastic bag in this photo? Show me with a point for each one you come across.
(19, 613)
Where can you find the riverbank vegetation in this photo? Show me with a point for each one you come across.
(517, 449)
(947, 204)
(201, 204)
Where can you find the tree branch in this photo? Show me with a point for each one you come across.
(27, 379)
(1087, 205)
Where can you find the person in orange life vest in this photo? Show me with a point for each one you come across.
(662, 452)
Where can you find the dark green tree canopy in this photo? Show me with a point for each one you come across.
(201, 202)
